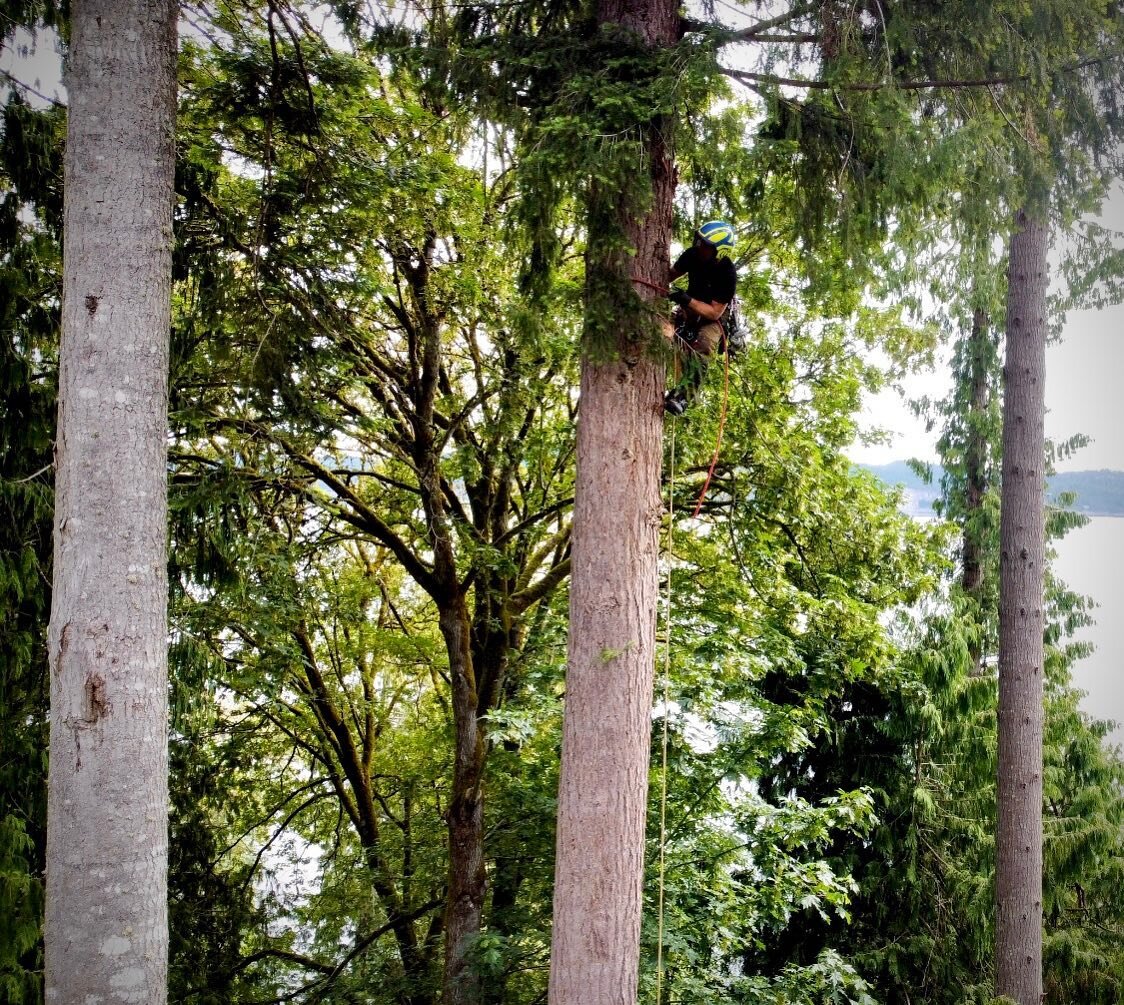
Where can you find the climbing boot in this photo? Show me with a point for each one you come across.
(675, 402)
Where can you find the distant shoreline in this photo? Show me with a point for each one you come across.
(1097, 493)
(1095, 515)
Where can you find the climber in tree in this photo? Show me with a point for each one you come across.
(696, 329)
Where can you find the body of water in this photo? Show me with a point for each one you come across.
(1090, 560)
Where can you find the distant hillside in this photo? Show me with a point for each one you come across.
(919, 497)
(1098, 493)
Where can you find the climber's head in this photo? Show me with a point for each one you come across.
(713, 237)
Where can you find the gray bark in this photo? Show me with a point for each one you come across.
(106, 914)
(595, 948)
(1021, 622)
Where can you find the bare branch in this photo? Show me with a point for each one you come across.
(751, 34)
(751, 79)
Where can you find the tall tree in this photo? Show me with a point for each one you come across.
(1060, 161)
(602, 799)
(106, 914)
(1022, 560)
(417, 418)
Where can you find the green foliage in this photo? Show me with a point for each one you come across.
(212, 916)
(378, 297)
(589, 106)
(305, 541)
(800, 560)
(21, 911)
(351, 337)
(924, 924)
(30, 158)
(1084, 855)
(34, 15)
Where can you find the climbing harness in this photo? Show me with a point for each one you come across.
(734, 336)
(733, 341)
(693, 369)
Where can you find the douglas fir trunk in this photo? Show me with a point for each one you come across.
(605, 747)
(975, 455)
(106, 915)
(1022, 557)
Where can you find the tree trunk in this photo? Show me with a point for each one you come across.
(975, 454)
(1022, 557)
(465, 815)
(106, 914)
(603, 789)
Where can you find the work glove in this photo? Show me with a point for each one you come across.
(679, 297)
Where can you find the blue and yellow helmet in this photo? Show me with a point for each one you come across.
(716, 233)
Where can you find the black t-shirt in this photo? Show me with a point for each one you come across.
(715, 280)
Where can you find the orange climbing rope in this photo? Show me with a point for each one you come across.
(725, 403)
(721, 427)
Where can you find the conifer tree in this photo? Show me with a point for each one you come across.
(602, 797)
(1022, 622)
(1059, 162)
(106, 914)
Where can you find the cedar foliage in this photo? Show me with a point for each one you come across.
(30, 165)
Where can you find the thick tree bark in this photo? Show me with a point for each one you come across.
(106, 915)
(602, 794)
(1022, 558)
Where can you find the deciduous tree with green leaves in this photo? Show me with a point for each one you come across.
(423, 422)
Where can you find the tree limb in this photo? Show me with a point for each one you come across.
(750, 77)
(522, 600)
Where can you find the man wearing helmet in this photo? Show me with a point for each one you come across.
(697, 331)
